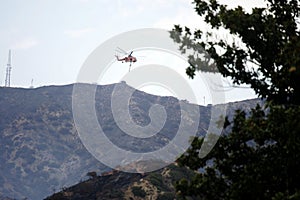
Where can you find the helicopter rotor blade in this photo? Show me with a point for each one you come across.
(130, 53)
(121, 50)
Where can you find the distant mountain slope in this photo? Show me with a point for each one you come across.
(40, 151)
(5, 198)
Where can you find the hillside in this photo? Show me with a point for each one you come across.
(116, 185)
(40, 151)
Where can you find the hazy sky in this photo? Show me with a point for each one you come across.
(51, 39)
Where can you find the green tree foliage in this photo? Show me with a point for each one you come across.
(270, 41)
(138, 191)
(258, 159)
(258, 154)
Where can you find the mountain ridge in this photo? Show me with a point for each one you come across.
(40, 151)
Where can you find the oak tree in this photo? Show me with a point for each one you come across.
(258, 154)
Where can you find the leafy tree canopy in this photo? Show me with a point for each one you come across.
(258, 154)
(258, 159)
(270, 42)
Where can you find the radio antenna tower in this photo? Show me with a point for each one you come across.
(8, 70)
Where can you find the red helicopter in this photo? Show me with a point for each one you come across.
(131, 59)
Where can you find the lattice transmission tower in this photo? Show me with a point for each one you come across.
(8, 70)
